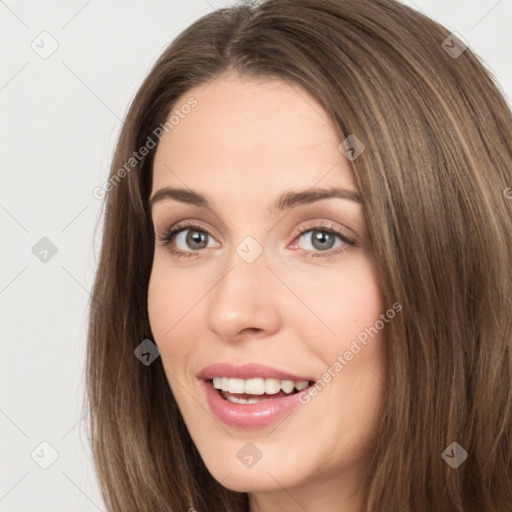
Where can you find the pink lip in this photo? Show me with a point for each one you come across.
(248, 371)
(248, 415)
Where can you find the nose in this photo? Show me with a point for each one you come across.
(244, 301)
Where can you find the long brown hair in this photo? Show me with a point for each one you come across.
(434, 178)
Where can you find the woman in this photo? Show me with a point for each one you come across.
(304, 291)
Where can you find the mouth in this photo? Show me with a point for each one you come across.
(251, 395)
(256, 390)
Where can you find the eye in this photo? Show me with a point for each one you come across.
(192, 239)
(188, 237)
(321, 240)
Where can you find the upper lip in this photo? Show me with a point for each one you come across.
(248, 371)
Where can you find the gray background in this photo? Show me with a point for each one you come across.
(60, 120)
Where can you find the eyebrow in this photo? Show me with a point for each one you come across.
(288, 200)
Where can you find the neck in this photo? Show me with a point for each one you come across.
(319, 495)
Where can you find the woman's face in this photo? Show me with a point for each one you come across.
(273, 282)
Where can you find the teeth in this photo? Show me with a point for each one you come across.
(301, 384)
(272, 386)
(243, 400)
(254, 386)
(236, 385)
(287, 386)
(257, 386)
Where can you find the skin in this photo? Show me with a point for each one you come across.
(246, 142)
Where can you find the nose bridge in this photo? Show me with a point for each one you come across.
(242, 298)
(247, 272)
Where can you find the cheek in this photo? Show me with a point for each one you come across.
(175, 317)
(345, 300)
(360, 327)
(350, 306)
(361, 302)
(158, 304)
(168, 303)
(168, 300)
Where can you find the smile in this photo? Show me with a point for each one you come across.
(247, 396)
(257, 386)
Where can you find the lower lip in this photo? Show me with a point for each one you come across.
(248, 415)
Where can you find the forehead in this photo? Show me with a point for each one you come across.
(251, 134)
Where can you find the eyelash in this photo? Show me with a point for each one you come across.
(167, 237)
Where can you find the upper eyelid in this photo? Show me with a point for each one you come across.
(317, 209)
(183, 225)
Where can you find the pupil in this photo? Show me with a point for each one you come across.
(322, 237)
(196, 237)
